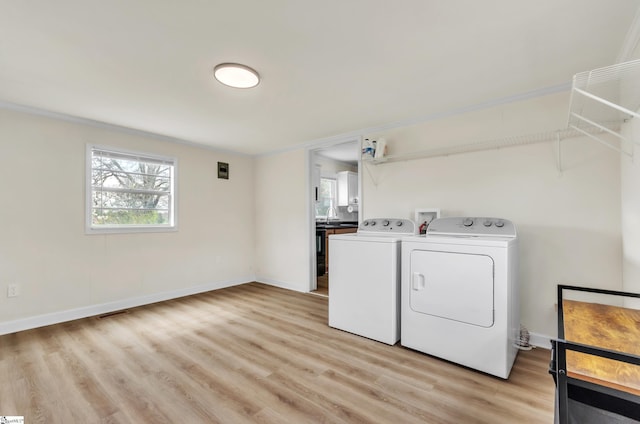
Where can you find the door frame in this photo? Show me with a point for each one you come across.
(310, 210)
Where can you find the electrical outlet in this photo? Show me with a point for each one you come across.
(13, 290)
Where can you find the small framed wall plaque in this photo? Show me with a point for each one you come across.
(223, 170)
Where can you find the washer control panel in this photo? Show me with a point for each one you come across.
(388, 226)
(472, 226)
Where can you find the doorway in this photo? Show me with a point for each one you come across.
(335, 202)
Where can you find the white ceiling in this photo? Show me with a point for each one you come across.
(348, 152)
(328, 67)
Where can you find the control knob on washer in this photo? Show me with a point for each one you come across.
(385, 222)
(487, 223)
(467, 222)
(500, 224)
(399, 223)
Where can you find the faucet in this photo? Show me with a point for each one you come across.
(332, 213)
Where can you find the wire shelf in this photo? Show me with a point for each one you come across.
(601, 101)
(608, 95)
(498, 143)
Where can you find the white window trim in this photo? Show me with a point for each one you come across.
(90, 229)
(334, 178)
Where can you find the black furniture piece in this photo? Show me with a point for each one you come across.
(595, 361)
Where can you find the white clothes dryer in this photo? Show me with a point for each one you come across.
(460, 296)
(364, 279)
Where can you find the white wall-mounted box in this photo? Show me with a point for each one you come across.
(425, 216)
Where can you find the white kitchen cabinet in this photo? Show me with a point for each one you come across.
(347, 188)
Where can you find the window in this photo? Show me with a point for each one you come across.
(326, 198)
(129, 191)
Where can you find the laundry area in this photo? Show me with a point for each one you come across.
(346, 211)
(456, 286)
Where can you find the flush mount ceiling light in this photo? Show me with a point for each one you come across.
(236, 75)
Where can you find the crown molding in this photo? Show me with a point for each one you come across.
(358, 134)
(312, 144)
(112, 127)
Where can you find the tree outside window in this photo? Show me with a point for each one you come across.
(130, 190)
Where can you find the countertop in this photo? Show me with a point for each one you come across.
(336, 224)
(608, 327)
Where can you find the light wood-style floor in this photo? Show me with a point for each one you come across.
(249, 354)
(322, 285)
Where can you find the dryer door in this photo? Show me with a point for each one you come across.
(452, 285)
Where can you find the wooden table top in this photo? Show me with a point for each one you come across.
(610, 327)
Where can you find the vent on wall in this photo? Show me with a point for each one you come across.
(112, 314)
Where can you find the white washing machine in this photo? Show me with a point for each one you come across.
(364, 279)
(460, 296)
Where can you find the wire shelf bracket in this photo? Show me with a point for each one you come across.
(602, 100)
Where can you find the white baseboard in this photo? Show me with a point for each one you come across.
(281, 284)
(92, 310)
(540, 340)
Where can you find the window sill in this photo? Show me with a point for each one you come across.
(129, 230)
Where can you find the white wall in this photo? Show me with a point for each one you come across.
(630, 180)
(568, 223)
(64, 273)
(282, 220)
(630, 193)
